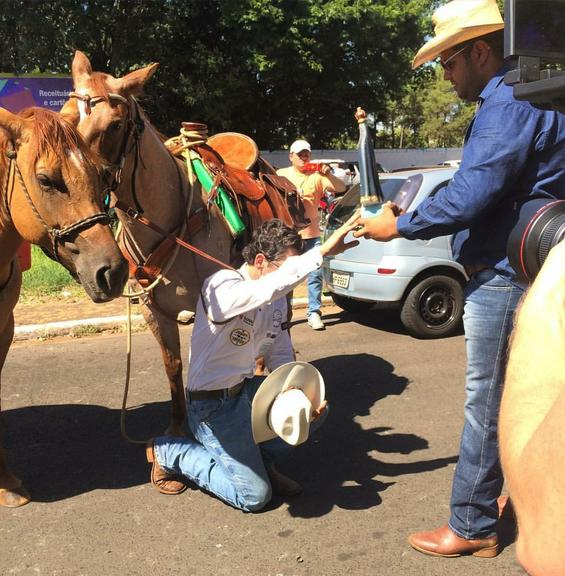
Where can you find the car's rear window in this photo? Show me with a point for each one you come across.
(407, 192)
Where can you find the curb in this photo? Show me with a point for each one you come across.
(80, 327)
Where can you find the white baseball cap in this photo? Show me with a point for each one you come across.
(299, 145)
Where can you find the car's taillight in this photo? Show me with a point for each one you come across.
(386, 270)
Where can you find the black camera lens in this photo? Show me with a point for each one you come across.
(540, 227)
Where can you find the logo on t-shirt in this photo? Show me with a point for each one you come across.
(239, 337)
(277, 318)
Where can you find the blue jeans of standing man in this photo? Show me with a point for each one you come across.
(314, 280)
(490, 302)
(222, 457)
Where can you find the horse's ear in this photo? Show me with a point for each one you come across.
(70, 111)
(133, 82)
(81, 65)
(11, 123)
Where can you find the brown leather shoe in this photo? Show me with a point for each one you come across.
(282, 485)
(444, 542)
(165, 483)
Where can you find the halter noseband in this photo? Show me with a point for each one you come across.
(57, 235)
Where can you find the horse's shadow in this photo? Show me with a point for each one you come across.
(61, 451)
(338, 465)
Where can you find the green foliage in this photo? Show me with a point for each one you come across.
(446, 116)
(427, 113)
(274, 69)
(45, 277)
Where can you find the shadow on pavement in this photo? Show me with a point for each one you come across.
(337, 466)
(385, 320)
(60, 451)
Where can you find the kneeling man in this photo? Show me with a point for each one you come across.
(242, 315)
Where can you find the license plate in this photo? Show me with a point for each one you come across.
(340, 280)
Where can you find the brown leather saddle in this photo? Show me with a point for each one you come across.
(257, 191)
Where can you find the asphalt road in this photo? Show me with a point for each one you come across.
(379, 469)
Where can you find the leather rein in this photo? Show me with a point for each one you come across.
(56, 235)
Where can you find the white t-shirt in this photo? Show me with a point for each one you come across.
(243, 319)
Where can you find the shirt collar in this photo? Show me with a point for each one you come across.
(244, 271)
(494, 83)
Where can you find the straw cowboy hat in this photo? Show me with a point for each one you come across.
(456, 22)
(284, 402)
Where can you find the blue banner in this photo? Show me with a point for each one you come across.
(19, 92)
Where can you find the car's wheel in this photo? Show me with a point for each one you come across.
(351, 305)
(433, 307)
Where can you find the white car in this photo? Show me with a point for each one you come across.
(345, 171)
(417, 277)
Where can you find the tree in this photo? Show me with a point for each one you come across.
(274, 69)
(446, 116)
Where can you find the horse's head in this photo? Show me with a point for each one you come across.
(102, 108)
(52, 196)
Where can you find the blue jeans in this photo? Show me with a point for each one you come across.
(314, 280)
(490, 302)
(222, 457)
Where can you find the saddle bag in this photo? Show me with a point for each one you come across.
(284, 190)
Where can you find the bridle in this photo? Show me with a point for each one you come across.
(134, 129)
(57, 235)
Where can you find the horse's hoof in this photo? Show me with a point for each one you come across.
(14, 497)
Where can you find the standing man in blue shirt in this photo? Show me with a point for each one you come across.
(513, 151)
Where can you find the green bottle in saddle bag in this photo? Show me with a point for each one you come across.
(235, 223)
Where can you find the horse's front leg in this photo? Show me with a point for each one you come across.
(12, 493)
(166, 331)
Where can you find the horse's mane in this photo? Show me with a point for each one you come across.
(172, 149)
(4, 139)
(52, 133)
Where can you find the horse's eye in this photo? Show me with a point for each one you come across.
(44, 181)
(116, 126)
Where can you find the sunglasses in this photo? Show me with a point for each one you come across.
(448, 64)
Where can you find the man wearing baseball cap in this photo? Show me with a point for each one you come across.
(311, 187)
(512, 151)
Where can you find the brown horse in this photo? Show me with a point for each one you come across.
(51, 195)
(151, 181)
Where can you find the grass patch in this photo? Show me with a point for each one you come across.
(46, 278)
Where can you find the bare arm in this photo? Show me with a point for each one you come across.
(336, 185)
(532, 421)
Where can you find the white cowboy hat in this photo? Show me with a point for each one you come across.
(456, 22)
(284, 403)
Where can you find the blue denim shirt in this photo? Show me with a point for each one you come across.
(513, 151)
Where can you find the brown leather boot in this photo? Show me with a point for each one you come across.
(444, 542)
(282, 485)
(165, 483)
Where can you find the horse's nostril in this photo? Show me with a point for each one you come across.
(111, 279)
(104, 278)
